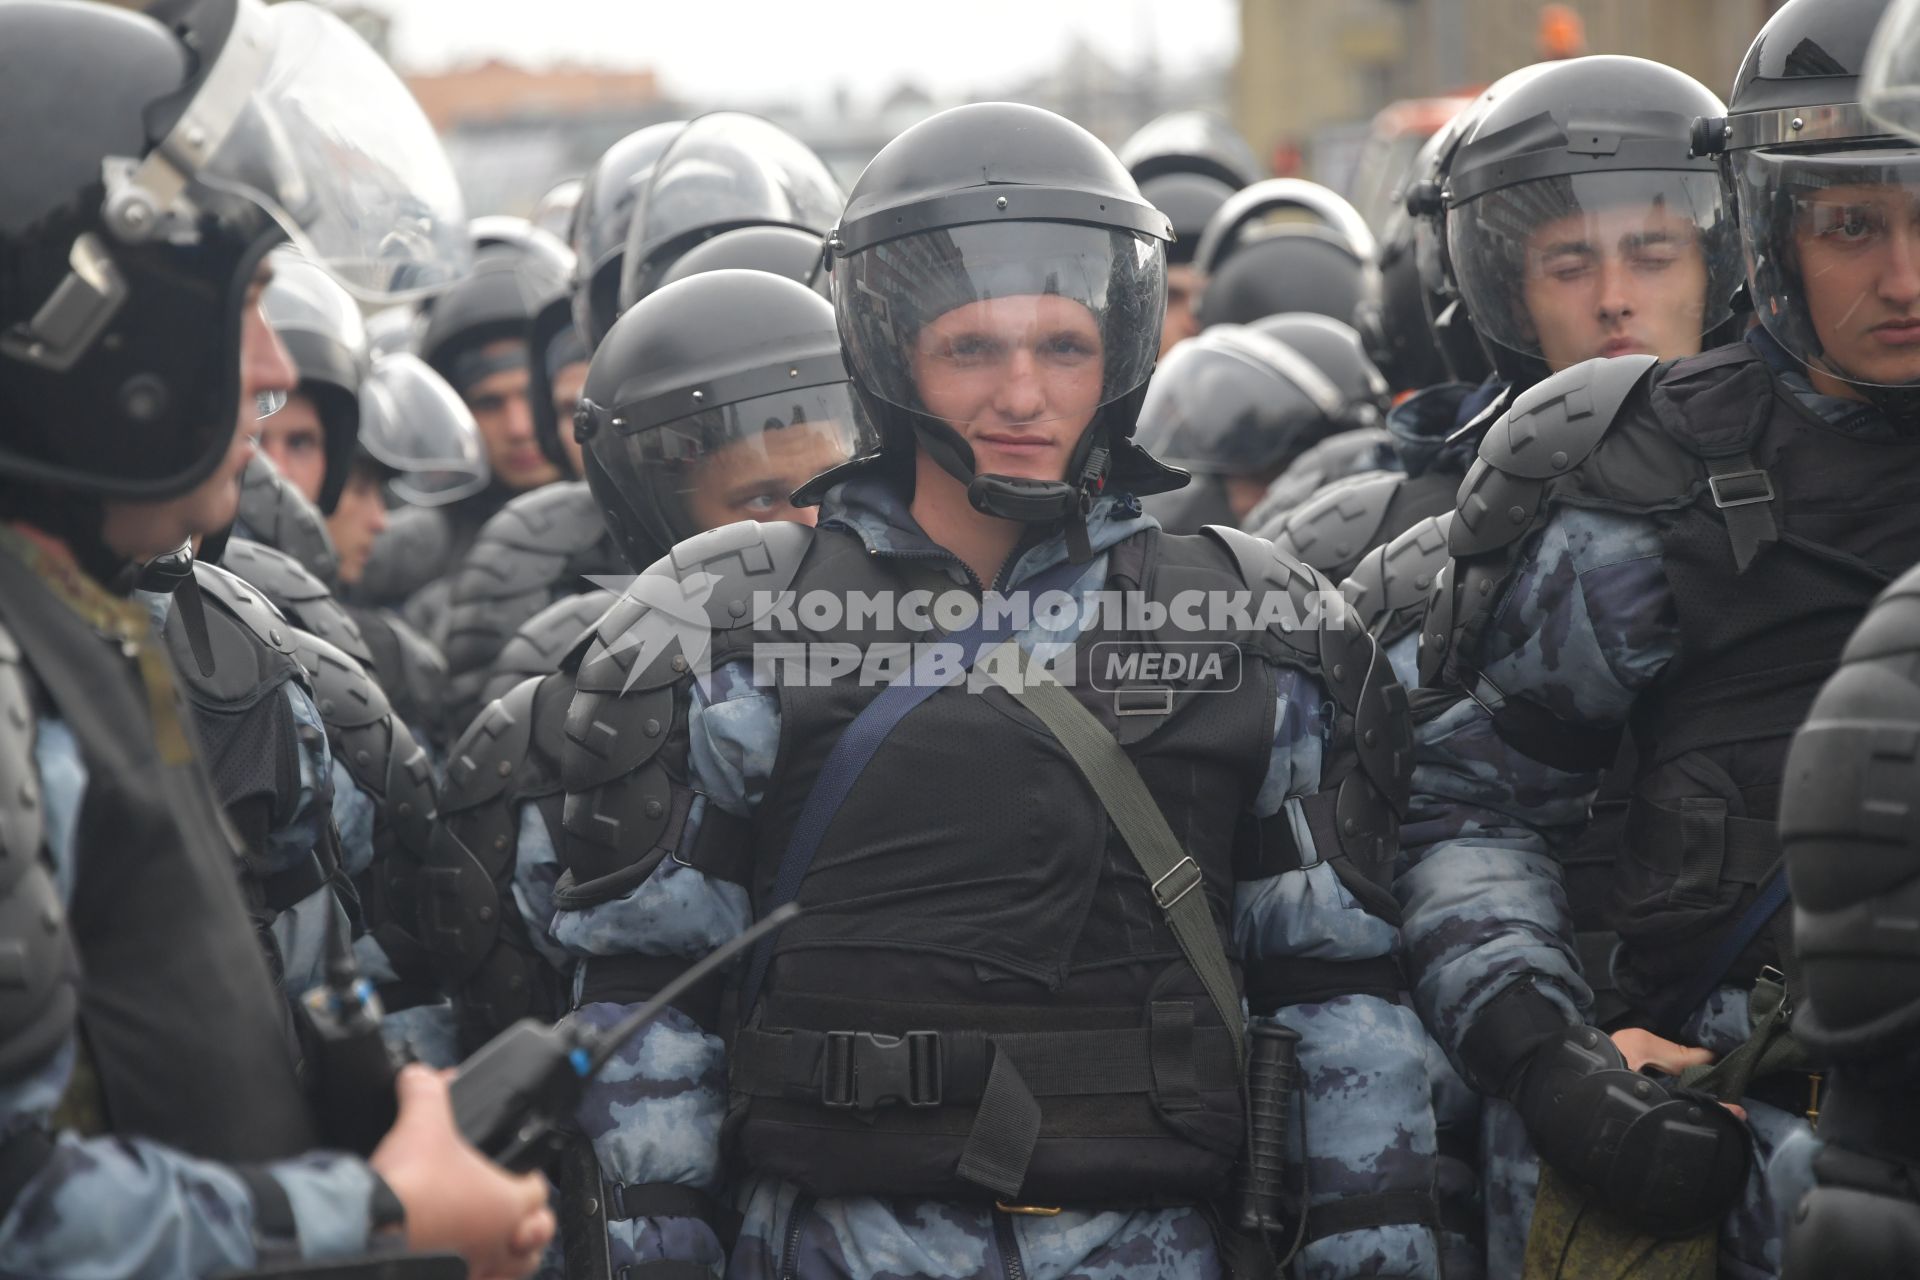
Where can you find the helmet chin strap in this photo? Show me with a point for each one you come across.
(1020, 498)
(1900, 404)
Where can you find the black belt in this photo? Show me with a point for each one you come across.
(1700, 846)
(22, 1157)
(864, 1070)
(1308, 981)
(636, 979)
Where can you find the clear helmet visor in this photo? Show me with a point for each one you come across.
(1011, 322)
(301, 118)
(741, 461)
(416, 425)
(724, 170)
(302, 297)
(1833, 244)
(1890, 81)
(1234, 402)
(1573, 267)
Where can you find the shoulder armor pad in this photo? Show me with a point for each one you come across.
(413, 550)
(1341, 523)
(540, 644)
(527, 548)
(672, 617)
(40, 998)
(483, 761)
(559, 520)
(348, 698)
(252, 645)
(247, 604)
(22, 827)
(273, 512)
(1264, 567)
(1389, 587)
(304, 599)
(1551, 429)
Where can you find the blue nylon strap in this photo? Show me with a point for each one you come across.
(1773, 896)
(856, 746)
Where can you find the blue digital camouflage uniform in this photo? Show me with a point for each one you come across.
(1587, 624)
(655, 1115)
(127, 1207)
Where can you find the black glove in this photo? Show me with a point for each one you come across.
(1670, 1161)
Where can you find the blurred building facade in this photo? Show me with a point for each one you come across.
(1313, 73)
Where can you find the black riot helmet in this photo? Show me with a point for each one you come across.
(419, 433)
(608, 196)
(553, 212)
(1189, 200)
(1850, 843)
(1232, 403)
(1338, 351)
(1028, 219)
(1424, 201)
(1256, 266)
(1197, 142)
(319, 324)
(1825, 196)
(160, 165)
(1397, 323)
(785, 251)
(712, 400)
(508, 285)
(1576, 192)
(724, 170)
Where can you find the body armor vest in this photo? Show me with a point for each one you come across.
(1777, 531)
(973, 916)
(188, 1039)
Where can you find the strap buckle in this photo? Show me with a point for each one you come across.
(862, 1070)
(1189, 878)
(1737, 481)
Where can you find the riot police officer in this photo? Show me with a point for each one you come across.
(952, 1071)
(1640, 543)
(133, 348)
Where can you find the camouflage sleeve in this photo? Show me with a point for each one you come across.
(654, 1114)
(1366, 1104)
(1586, 623)
(289, 843)
(114, 1206)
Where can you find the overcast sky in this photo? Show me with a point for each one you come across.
(748, 50)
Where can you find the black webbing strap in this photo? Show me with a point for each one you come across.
(627, 1201)
(1005, 1128)
(22, 1157)
(1175, 878)
(1361, 1213)
(1267, 848)
(1744, 495)
(663, 1269)
(1700, 847)
(273, 1219)
(636, 979)
(1539, 734)
(722, 847)
(1304, 980)
(863, 1070)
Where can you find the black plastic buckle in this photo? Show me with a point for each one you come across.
(1741, 490)
(862, 1070)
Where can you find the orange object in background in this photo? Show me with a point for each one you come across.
(1562, 33)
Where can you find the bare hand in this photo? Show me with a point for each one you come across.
(1642, 1048)
(458, 1201)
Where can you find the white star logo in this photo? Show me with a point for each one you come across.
(675, 616)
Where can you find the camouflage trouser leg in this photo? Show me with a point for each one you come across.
(1456, 1109)
(1750, 1236)
(867, 1238)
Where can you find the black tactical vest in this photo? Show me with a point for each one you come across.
(971, 909)
(1777, 531)
(188, 1039)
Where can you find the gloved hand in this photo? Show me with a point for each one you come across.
(1669, 1161)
